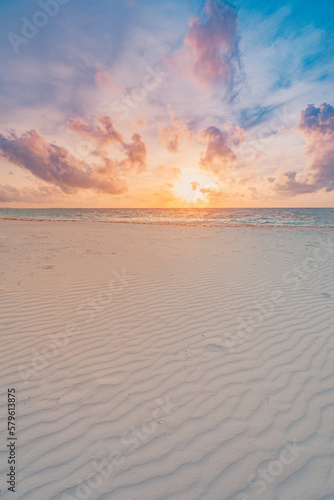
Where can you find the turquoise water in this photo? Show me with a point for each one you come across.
(319, 217)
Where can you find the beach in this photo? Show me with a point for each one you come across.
(168, 362)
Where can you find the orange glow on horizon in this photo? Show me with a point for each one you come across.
(193, 187)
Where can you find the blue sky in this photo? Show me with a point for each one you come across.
(214, 90)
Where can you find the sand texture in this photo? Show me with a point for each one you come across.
(158, 362)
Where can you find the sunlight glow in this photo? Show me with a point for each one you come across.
(194, 186)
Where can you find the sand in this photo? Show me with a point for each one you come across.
(159, 362)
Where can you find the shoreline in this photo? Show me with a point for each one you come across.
(165, 223)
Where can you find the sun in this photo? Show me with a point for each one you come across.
(193, 186)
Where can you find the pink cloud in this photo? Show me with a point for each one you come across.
(104, 134)
(210, 51)
(173, 136)
(238, 133)
(10, 194)
(135, 153)
(56, 165)
(317, 127)
(104, 81)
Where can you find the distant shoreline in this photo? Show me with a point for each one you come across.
(166, 223)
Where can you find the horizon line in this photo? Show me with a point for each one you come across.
(163, 208)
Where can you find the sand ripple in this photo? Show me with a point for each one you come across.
(150, 378)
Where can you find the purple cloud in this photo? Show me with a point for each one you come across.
(219, 154)
(317, 127)
(56, 165)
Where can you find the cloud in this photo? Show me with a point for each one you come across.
(255, 195)
(102, 134)
(238, 134)
(56, 165)
(319, 120)
(105, 134)
(291, 184)
(103, 80)
(135, 154)
(317, 127)
(219, 155)
(173, 136)
(10, 194)
(214, 196)
(210, 52)
(52, 163)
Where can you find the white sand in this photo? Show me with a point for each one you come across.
(153, 387)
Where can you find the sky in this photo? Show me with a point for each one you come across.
(181, 103)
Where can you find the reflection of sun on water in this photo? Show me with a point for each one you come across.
(194, 186)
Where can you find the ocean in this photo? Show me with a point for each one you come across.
(313, 217)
